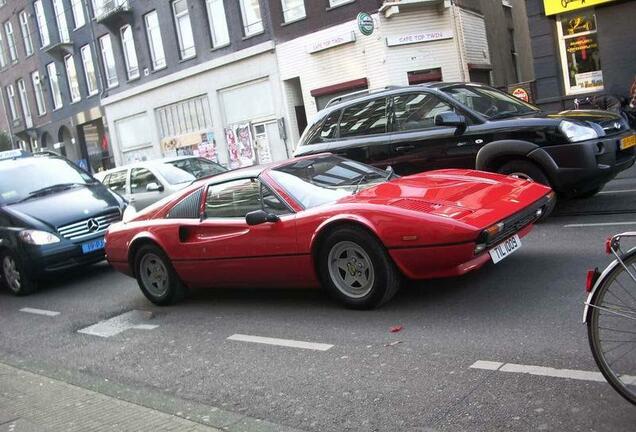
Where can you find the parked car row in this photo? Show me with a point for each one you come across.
(382, 188)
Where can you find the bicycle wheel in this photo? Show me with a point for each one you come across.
(611, 328)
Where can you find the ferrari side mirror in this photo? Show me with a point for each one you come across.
(258, 217)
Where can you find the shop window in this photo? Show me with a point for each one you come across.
(26, 33)
(184, 117)
(108, 60)
(367, 118)
(42, 25)
(218, 23)
(293, 10)
(130, 53)
(251, 13)
(155, 41)
(54, 85)
(417, 111)
(184, 29)
(580, 52)
(424, 76)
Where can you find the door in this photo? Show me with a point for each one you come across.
(24, 101)
(363, 134)
(145, 188)
(223, 250)
(418, 144)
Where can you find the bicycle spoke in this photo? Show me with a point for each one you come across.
(622, 356)
(624, 289)
(617, 330)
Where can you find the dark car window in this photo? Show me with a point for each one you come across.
(417, 111)
(232, 199)
(271, 203)
(117, 181)
(366, 118)
(140, 179)
(330, 126)
(490, 102)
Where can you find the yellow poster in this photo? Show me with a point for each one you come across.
(553, 7)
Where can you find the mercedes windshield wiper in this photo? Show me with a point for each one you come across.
(50, 189)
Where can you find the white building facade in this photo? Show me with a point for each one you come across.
(432, 41)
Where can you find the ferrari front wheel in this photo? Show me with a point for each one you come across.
(156, 276)
(356, 269)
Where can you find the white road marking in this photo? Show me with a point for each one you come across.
(600, 224)
(546, 371)
(616, 191)
(39, 311)
(281, 342)
(126, 321)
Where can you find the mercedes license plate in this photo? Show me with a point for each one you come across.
(93, 245)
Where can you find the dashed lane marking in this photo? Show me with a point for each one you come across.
(616, 191)
(600, 224)
(281, 342)
(44, 312)
(126, 321)
(546, 371)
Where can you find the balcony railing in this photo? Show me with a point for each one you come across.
(107, 9)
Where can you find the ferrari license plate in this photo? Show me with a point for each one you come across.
(93, 245)
(628, 142)
(503, 250)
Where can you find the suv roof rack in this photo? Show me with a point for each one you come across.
(359, 94)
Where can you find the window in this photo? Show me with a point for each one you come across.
(233, 199)
(155, 41)
(108, 60)
(60, 18)
(130, 54)
(417, 111)
(218, 23)
(197, 167)
(78, 13)
(580, 53)
(39, 92)
(293, 10)
(12, 105)
(71, 75)
(140, 178)
(251, 13)
(3, 55)
(330, 126)
(367, 118)
(116, 181)
(54, 84)
(24, 101)
(26, 33)
(334, 3)
(89, 69)
(191, 115)
(184, 29)
(134, 132)
(13, 52)
(43, 28)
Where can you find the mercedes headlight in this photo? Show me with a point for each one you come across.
(576, 132)
(38, 238)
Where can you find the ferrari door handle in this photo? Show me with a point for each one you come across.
(404, 148)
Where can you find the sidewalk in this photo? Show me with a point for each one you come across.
(35, 403)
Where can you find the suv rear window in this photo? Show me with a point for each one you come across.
(366, 118)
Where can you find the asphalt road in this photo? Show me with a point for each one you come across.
(525, 310)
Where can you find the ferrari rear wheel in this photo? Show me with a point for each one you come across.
(356, 269)
(156, 276)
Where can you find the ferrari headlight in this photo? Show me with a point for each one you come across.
(576, 132)
(38, 238)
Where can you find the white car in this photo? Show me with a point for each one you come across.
(144, 183)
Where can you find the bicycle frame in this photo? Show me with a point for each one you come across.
(614, 247)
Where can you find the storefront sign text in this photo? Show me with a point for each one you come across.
(553, 7)
(331, 42)
(418, 37)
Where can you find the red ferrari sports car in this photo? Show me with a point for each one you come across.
(324, 220)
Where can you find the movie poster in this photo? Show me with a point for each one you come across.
(247, 156)
(232, 148)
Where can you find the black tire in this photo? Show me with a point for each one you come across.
(25, 285)
(175, 291)
(593, 329)
(386, 279)
(529, 170)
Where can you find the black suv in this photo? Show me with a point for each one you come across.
(465, 125)
(53, 216)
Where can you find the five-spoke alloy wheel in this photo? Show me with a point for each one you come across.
(156, 276)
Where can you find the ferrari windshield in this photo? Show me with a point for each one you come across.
(489, 102)
(324, 179)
